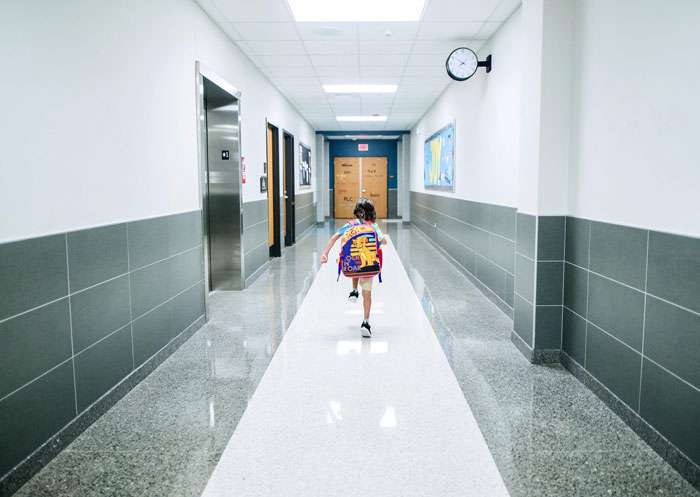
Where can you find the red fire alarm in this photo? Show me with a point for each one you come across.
(363, 147)
(243, 170)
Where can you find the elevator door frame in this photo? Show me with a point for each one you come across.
(201, 72)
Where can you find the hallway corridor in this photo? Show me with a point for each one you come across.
(179, 430)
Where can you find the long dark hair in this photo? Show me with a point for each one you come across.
(364, 210)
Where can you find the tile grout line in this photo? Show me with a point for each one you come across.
(165, 258)
(70, 319)
(468, 224)
(635, 289)
(588, 287)
(644, 325)
(90, 287)
(171, 298)
(563, 276)
(34, 309)
(475, 252)
(131, 312)
(102, 339)
(451, 259)
(633, 350)
(534, 281)
(35, 379)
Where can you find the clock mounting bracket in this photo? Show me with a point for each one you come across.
(485, 63)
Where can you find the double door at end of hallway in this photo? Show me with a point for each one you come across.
(357, 177)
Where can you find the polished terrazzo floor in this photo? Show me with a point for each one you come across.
(547, 433)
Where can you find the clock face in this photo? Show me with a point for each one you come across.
(461, 64)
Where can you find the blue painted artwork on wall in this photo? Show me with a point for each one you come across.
(439, 152)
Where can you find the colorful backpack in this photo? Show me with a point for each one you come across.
(360, 252)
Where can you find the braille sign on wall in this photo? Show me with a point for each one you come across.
(224, 155)
(363, 147)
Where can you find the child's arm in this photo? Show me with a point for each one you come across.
(383, 242)
(331, 242)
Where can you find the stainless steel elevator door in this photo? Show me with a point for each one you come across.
(224, 189)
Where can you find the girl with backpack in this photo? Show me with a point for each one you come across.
(360, 257)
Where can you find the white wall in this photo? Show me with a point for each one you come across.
(636, 114)
(99, 121)
(487, 113)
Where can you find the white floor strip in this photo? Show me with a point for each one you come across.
(336, 414)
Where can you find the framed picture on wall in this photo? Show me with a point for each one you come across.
(439, 157)
(304, 167)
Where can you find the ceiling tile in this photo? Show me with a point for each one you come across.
(257, 11)
(303, 81)
(439, 46)
(374, 31)
(294, 72)
(430, 60)
(273, 61)
(383, 60)
(459, 10)
(329, 47)
(334, 60)
(426, 71)
(352, 71)
(327, 31)
(266, 31)
(388, 71)
(376, 79)
(288, 47)
(386, 46)
(382, 98)
(421, 79)
(448, 30)
(341, 80)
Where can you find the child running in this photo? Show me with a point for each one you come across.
(365, 213)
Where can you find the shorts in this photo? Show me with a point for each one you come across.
(366, 283)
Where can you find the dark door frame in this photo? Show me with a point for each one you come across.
(290, 202)
(274, 171)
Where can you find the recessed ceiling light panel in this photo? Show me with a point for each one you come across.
(361, 118)
(360, 88)
(356, 10)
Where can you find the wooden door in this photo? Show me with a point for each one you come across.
(346, 185)
(270, 189)
(374, 183)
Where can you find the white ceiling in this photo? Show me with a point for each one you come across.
(299, 57)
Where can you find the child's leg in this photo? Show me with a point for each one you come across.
(366, 285)
(355, 281)
(367, 302)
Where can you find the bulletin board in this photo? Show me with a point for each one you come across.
(304, 167)
(439, 160)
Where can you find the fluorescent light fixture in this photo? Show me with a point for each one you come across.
(361, 118)
(356, 10)
(360, 88)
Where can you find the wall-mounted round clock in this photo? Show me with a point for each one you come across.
(462, 64)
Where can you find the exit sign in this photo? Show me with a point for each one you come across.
(363, 147)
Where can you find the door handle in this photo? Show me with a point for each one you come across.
(286, 197)
(363, 191)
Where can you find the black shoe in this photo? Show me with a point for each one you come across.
(354, 295)
(366, 329)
